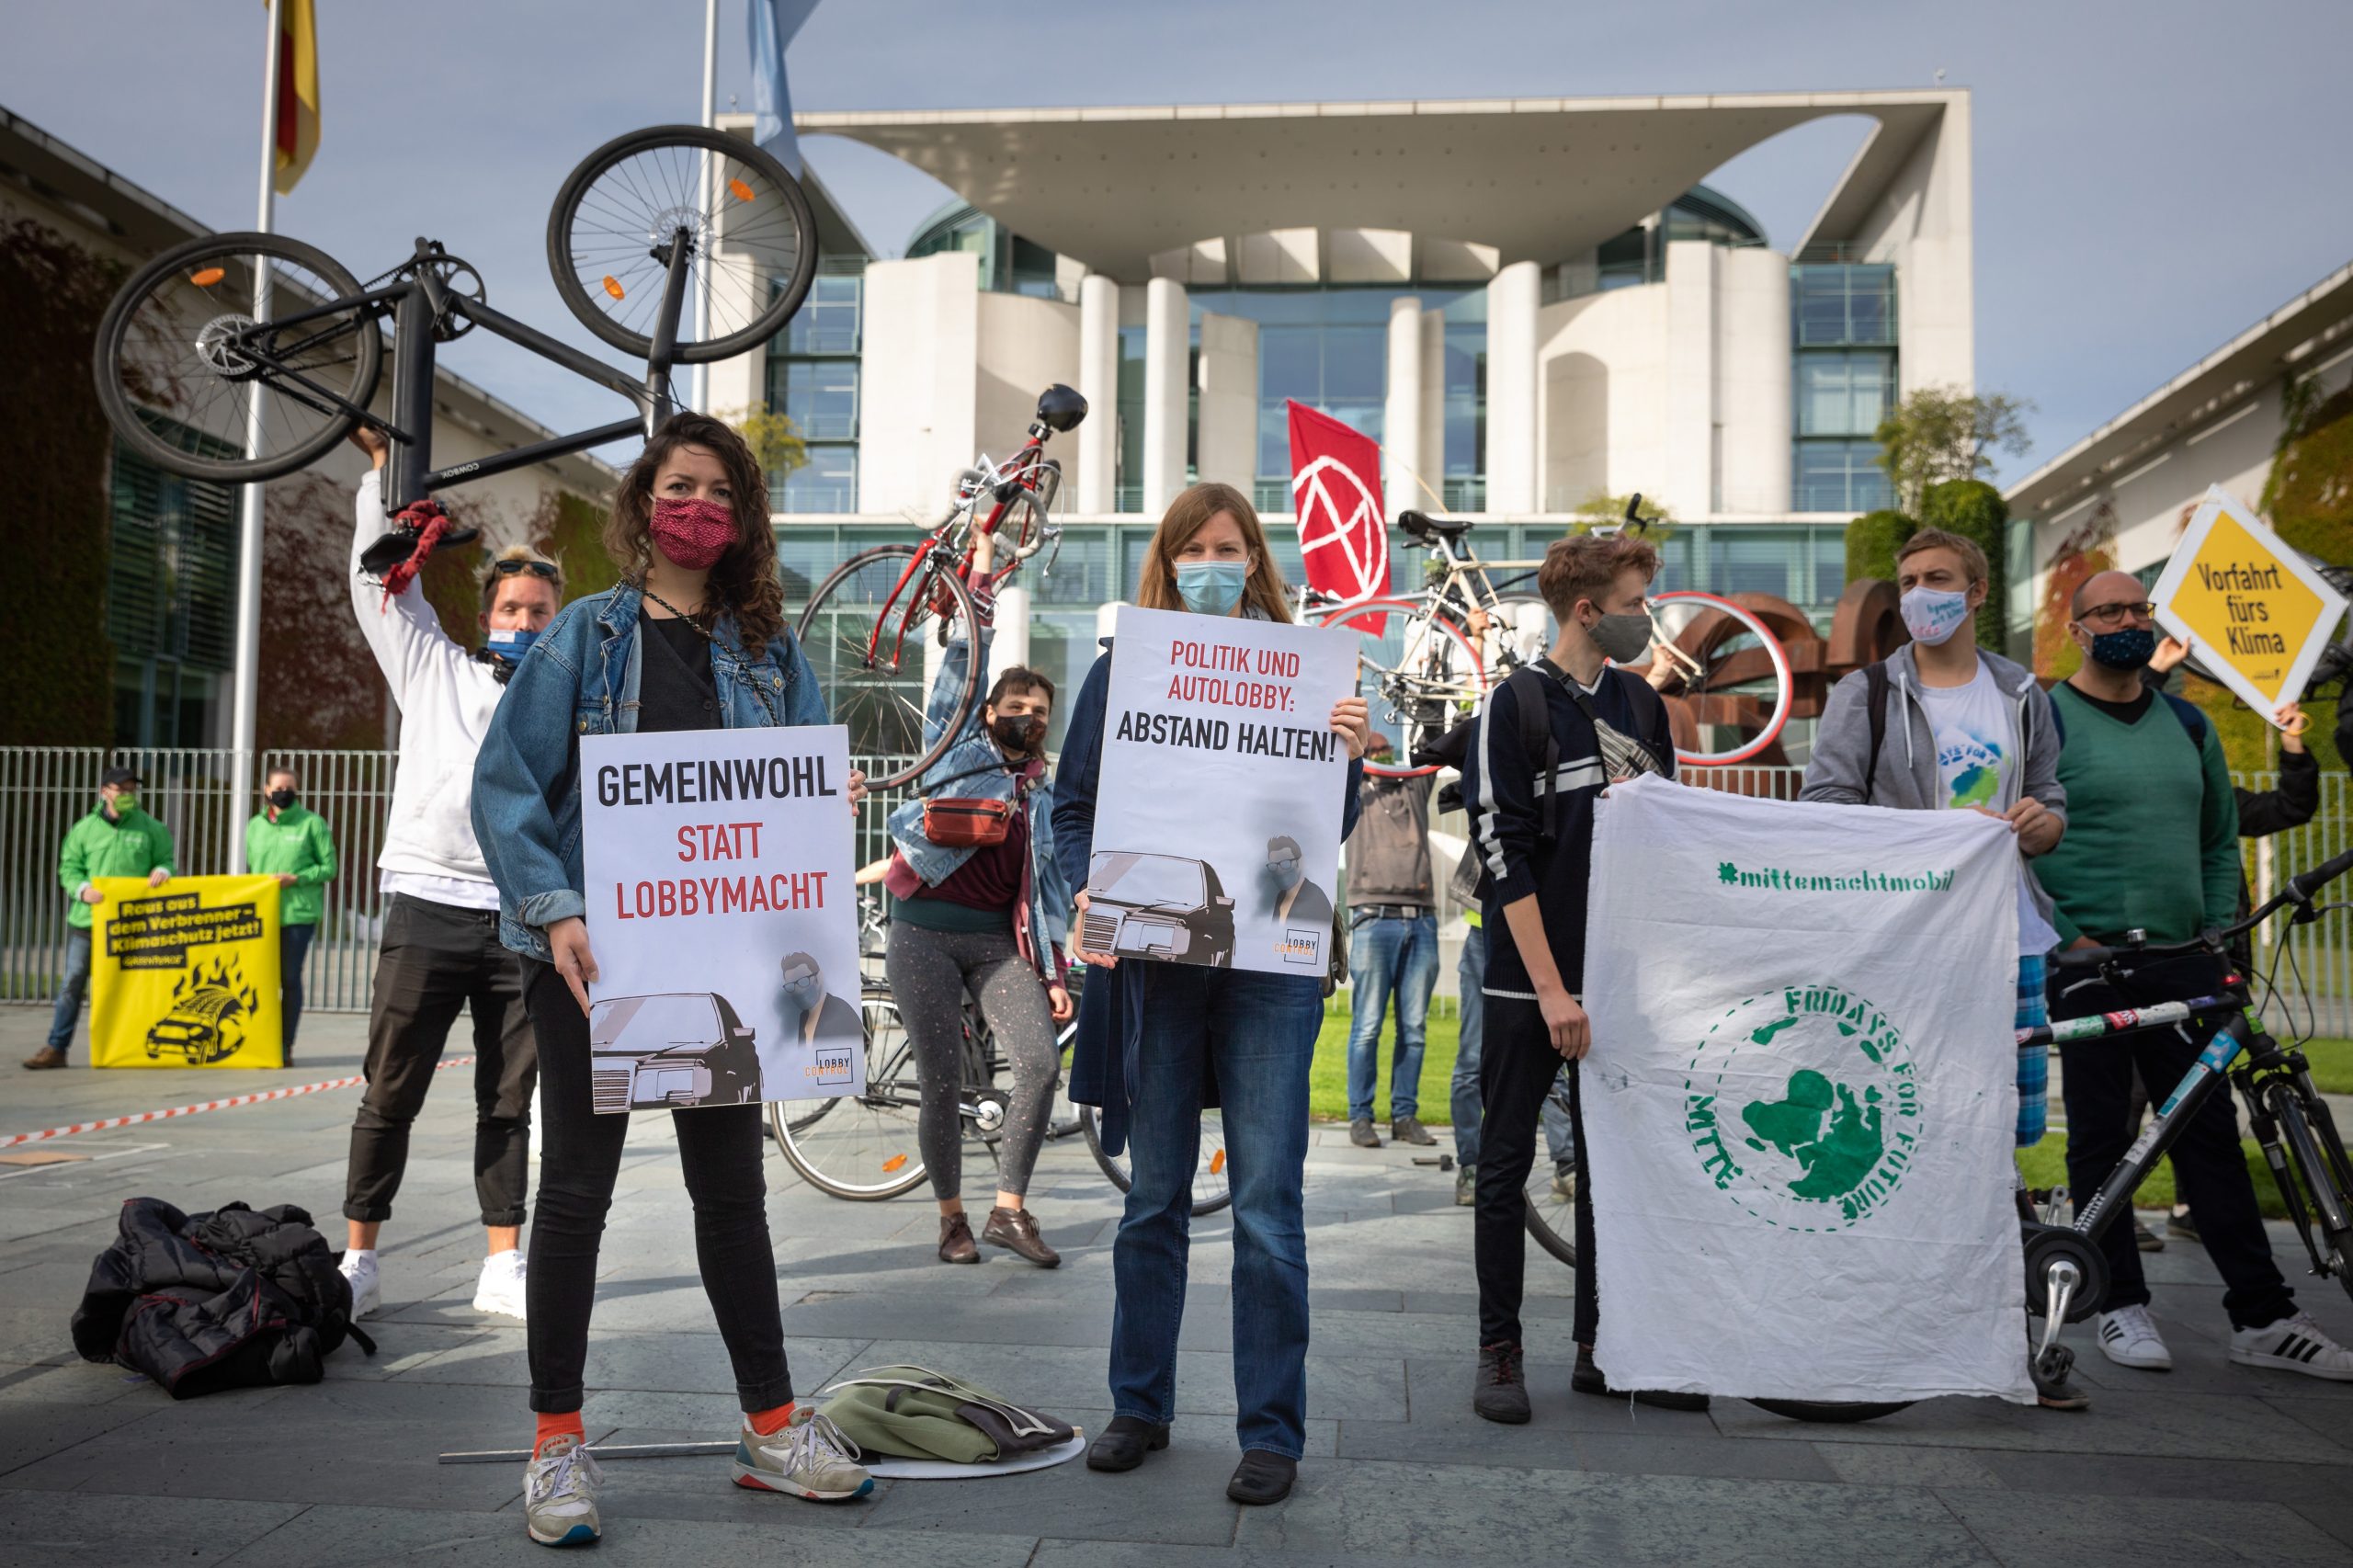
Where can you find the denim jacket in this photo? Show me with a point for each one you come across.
(581, 678)
(1050, 892)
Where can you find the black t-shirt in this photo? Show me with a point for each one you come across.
(676, 688)
(2122, 713)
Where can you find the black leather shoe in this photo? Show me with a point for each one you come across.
(1124, 1443)
(1588, 1379)
(1262, 1478)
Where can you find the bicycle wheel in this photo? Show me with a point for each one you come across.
(1417, 674)
(1552, 1212)
(1211, 1191)
(752, 237)
(865, 632)
(181, 356)
(1520, 628)
(863, 1147)
(1738, 684)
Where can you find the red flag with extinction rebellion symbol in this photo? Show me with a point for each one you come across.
(1336, 491)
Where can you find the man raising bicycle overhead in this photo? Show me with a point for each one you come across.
(2153, 846)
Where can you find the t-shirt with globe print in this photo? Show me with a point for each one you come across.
(1971, 724)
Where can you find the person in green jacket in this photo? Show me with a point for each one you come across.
(116, 840)
(289, 841)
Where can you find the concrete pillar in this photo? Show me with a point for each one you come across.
(919, 404)
(1099, 380)
(1168, 348)
(1752, 379)
(1226, 445)
(1511, 301)
(1688, 486)
(1433, 407)
(1011, 644)
(1401, 420)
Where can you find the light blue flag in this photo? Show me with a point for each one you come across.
(773, 24)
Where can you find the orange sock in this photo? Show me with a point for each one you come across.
(566, 1425)
(769, 1423)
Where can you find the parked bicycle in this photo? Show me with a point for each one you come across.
(1426, 659)
(242, 356)
(865, 627)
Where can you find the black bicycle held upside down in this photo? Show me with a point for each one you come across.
(242, 356)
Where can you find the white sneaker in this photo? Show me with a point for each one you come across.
(367, 1284)
(809, 1456)
(2293, 1345)
(500, 1288)
(2129, 1337)
(560, 1494)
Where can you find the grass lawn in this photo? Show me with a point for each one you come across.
(2332, 1063)
(2045, 1164)
(1327, 1084)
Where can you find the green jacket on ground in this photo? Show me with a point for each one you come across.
(2152, 826)
(133, 845)
(297, 844)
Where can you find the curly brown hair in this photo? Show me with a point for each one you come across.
(745, 583)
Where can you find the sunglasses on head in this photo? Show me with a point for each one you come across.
(536, 568)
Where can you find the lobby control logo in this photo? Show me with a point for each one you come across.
(1803, 1106)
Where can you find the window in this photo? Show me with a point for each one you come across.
(828, 482)
(1129, 497)
(1841, 476)
(171, 606)
(828, 320)
(1844, 393)
(1836, 305)
(812, 380)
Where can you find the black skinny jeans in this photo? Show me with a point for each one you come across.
(2097, 1076)
(720, 1152)
(1517, 1067)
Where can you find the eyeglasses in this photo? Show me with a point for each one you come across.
(2113, 615)
(536, 568)
(1287, 863)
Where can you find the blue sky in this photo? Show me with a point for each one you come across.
(2151, 177)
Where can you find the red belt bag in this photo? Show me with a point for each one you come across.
(966, 822)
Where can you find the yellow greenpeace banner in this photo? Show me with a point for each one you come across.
(185, 975)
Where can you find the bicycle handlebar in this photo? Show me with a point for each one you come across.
(2299, 890)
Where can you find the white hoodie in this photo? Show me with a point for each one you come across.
(446, 698)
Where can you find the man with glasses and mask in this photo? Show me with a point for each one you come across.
(1291, 896)
(440, 952)
(2152, 845)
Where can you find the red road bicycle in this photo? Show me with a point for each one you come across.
(866, 627)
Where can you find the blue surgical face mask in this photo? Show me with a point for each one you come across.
(1933, 615)
(2128, 649)
(510, 645)
(1212, 587)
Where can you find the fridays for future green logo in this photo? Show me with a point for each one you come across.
(1803, 1106)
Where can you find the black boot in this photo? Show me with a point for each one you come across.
(1262, 1478)
(1124, 1443)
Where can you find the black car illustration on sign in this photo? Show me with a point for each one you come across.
(203, 1026)
(685, 1047)
(1158, 906)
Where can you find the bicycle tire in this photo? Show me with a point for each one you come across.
(893, 1148)
(569, 243)
(1208, 1198)
(2312, 1165)
(1836, 1413)
(129, 408)
(1777, 657)
(1461, 679)
(891, 718)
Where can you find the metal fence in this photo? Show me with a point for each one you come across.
(43, 789)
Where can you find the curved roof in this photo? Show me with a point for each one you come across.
(1541, 179)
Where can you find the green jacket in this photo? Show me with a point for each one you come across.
(297, 844)
(95, 848)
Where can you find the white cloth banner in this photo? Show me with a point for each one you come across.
(1800, 1102)
(1217, 828)
(720, 910)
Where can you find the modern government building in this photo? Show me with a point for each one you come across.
(1528, 302)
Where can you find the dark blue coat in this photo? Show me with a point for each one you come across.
(1111, 1011)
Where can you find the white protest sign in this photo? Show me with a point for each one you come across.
(1217, 827)
(720, 910)
(2249, 607)
(1801, 1100)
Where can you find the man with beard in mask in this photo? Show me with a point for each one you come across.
(440, 949)
(2153, 844)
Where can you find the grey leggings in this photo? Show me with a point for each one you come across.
(930, 973)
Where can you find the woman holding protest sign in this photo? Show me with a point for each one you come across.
(693, 638)
(979, 907)
(1159, 1041)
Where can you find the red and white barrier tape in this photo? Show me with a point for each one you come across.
(11, 1140)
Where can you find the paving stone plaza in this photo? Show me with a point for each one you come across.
(2209, 1463)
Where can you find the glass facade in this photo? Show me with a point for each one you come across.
(1842, 334)
(813, 378)
(171, 603)
(1009, 263)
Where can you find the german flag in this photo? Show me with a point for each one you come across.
(297, 137)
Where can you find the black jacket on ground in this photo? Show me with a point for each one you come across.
(233, 1299)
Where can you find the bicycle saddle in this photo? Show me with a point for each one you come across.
(1061, 407)
(1422, 526)
(397, 544)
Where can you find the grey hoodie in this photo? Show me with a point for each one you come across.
(1907, 777)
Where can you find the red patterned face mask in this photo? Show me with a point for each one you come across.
(693, 533)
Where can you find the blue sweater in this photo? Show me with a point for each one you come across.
(1110, 1012)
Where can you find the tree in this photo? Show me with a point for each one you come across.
(1941, 433)
(1599, 512)
(1873, 540)
(774, 438)
(1975, 510)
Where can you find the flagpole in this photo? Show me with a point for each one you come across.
(246, 670)
(709, 118)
